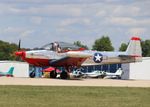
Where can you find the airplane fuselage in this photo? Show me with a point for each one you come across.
(60, 54)
(74, 58)
(66, 55)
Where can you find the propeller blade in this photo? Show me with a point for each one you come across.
(18, 51)
(19, 45)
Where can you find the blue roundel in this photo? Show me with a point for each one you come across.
(98, 57)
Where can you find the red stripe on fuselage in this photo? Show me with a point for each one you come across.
(46, 62)
(37, 62)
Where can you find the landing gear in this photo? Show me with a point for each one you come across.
(64, 75)
(53, 74)
(32, 74)
(118, 77)
(102, 76)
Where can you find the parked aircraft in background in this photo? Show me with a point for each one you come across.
(8, 73)
(116, 75)
(61, 54)
(95, 74)
(77, 73)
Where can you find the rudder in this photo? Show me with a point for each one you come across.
(11, 70)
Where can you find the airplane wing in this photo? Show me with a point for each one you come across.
(71, 58)
(68, 61)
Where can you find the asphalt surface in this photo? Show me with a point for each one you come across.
(73, 82)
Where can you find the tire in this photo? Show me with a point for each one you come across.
(102, 76)
(63, 75)
(32, 74)
(53, 74)
(118, 77)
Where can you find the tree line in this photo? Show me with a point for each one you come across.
(7, 50)
(104, 43)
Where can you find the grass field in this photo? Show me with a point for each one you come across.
(35, 96)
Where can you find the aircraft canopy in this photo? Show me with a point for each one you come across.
(62, 45)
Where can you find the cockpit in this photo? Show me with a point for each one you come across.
(60, 46)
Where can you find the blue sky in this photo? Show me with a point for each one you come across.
(38, 22)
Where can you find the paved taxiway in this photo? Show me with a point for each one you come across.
(79, 82)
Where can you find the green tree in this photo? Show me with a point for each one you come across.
(146, 48)
(123, 47)
(103, 44)
(7, 50)
(79, 44)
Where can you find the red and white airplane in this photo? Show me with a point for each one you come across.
(61, 54)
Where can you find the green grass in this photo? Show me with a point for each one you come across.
(35, 96)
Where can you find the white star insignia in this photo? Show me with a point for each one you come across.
(98, 57)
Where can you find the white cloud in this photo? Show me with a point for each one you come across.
(57, 10)
(16, 31)
(12, 30)
(44, 10)
(128, 21)
(36, 20)
(101, 13)
(73, 8)
(68, 22)
(137, 31)
(144, 22)
(52, 1)
(78, 18)
(127, 10)
(26, 33)
(122, 20)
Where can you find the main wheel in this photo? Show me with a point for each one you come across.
(63, 75)
(102, 76)
(53, 74)
(32, 74)
(118, 77)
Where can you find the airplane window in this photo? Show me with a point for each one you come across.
(48, 46)
(68, 46)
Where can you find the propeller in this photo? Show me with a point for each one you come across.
(19, 45)
(18, 53)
